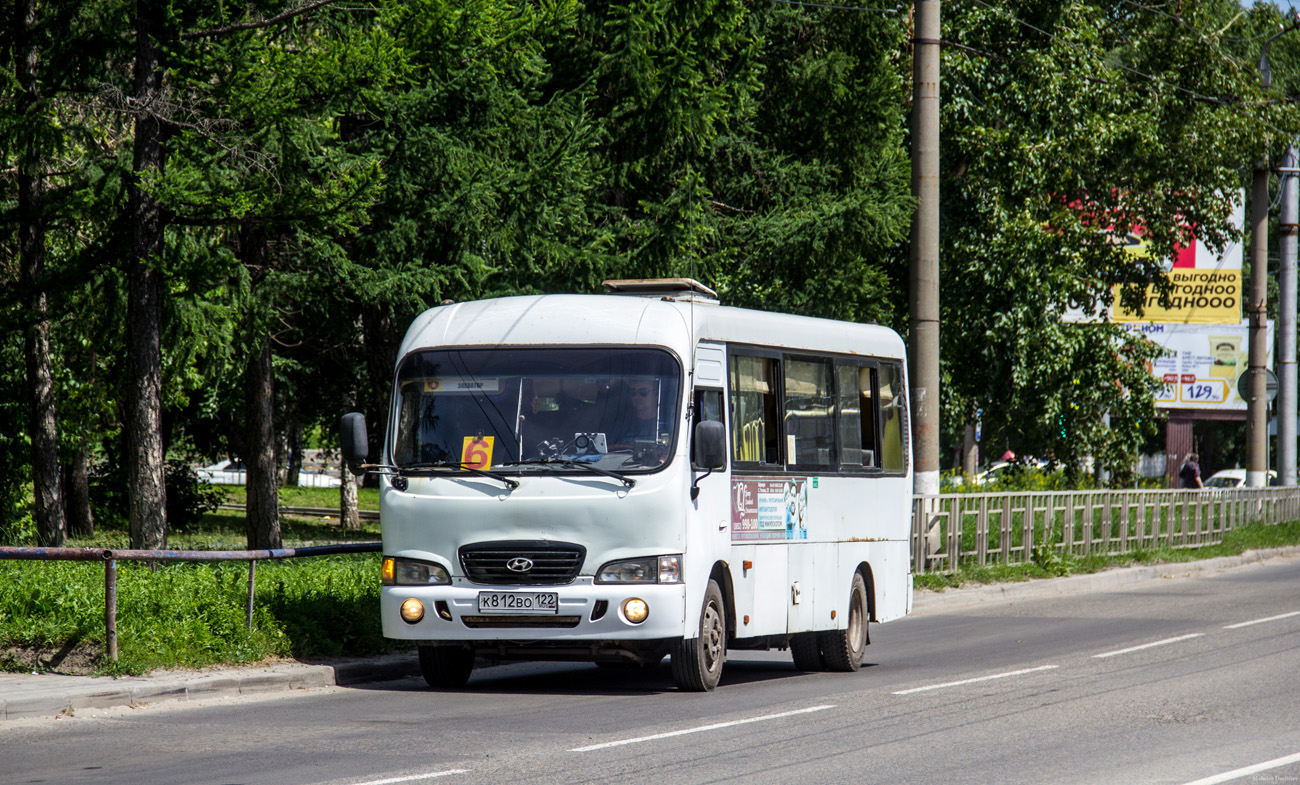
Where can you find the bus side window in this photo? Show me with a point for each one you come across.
(870, 418)
(809, 423)
(708, 407)
(857, 413)
(893, 423)
(755, 415)
(407, 450)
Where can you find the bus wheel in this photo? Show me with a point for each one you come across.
(446, 666)
(806, 651)
(844, 649)
(697, 662)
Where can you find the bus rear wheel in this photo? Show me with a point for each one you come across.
(446, 666)
(844, 649)
(697, 662)
(806, 651)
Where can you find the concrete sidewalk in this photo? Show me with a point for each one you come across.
(49, 695)
(24, 695)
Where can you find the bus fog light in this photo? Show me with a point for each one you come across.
(412, 610)
(635, 610)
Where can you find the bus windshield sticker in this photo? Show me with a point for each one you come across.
(457, 384)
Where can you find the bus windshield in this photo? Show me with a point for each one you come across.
(537, 409)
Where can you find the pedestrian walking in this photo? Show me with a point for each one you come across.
(1190, 474)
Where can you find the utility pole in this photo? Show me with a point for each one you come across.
(1286, 393)
(923, 323)
(1257, 316)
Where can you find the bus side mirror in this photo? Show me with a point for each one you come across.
(710, 445)
(354, 441)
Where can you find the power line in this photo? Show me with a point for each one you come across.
(839, 7)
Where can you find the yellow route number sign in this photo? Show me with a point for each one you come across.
(477, 452)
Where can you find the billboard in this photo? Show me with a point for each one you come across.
(1207, 286)
(1201, 363)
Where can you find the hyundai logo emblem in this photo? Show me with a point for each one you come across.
(519, 564)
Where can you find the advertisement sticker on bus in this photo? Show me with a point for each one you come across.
(769, 509)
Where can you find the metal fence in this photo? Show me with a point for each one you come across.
(948, 531)
(959, 529)
(110, 557)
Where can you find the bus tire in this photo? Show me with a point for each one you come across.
(697, 662)
(446, 666)
(844, 649)
(806, 651)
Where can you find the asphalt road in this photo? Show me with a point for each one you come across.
(1170, 681)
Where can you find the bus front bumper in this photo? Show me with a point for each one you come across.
(585, 611)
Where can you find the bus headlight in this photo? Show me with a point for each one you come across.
(412, 610)
(635, 610)
(651, 569)
(409, 572)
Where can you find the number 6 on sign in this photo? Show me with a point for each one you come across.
(477, 452)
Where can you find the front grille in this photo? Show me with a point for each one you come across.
(553, 563)
(516, 622)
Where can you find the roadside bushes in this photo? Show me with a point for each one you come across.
(187, 498)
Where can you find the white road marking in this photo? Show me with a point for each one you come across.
(1261, 621)
(972, 681)
(1164, 642)
(413, 778)
(1237, 774)
(700, 729)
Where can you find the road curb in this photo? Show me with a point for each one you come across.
(927, 602)
(27, 696)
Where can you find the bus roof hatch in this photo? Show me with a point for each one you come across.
(687, 288)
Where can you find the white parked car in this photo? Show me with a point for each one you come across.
(1233, 478)
(999, 470)
(991, 474)
(235, 473)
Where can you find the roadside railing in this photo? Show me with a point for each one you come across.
(956, 529)
(111, 556)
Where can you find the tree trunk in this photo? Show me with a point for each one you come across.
(349, 518)
(259, 406)
(76, 493)
(51, 528)
(145, 474)
(293, 445)
(970, 453)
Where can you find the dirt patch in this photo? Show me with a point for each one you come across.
(79, 659)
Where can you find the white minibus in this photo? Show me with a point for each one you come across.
(621, 477)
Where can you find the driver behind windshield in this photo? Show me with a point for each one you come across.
(639, 420)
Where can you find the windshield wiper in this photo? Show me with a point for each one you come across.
(568, 464)
(407, 468)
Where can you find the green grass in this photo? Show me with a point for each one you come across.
(225, 530)
(367, 498)
(1050, 563)
(189, 615)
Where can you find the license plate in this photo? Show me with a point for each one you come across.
(518, 602)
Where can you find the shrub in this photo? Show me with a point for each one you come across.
(187, 498)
